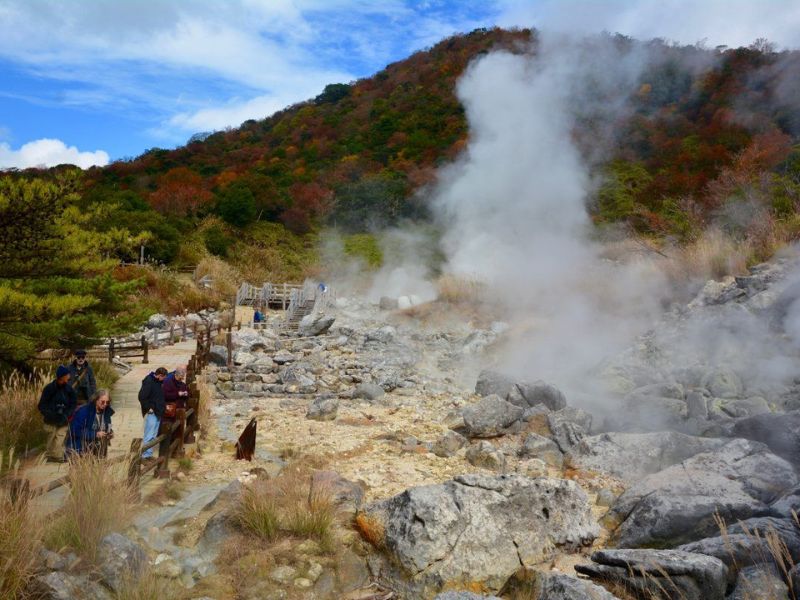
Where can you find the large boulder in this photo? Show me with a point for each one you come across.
(787, 505)
(157, 321)
(569, 426)
(371, 392)
(492, 382)
(538, 446)
(120, 557)
(660, 574)
(557, 586)
(312, 325)
(464, 596)
(680, 503)
(218, 355)
(479, 529)
(781, 432)
(759, 582)
(538, 392)
(750, 542)
(631, 456)
(490, 417)
(323, 408)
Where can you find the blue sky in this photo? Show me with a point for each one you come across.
(91, 81)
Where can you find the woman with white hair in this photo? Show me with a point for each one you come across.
(90, 429)
(176, 392)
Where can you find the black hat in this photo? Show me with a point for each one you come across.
(80, 352)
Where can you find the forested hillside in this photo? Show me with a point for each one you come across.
(704, 126)
(709, 136)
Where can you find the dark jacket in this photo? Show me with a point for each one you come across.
(57, 403)
(151, 396)
(87, 383)
(171, 388)
(84, 427)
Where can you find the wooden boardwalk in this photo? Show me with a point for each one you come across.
(128, 423)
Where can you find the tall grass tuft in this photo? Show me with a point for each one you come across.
(146, 586)
(21, 425)
(20, 535)
(257, 510)
(289, 505)
(98, 503)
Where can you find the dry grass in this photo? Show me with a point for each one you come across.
(99, 502)
(460, 290)
(146, 586)
(20, 535)
(289, 505)
(225, 278)
(21, 425)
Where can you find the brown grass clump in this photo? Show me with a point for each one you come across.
(98, 503)
(224, 277)
(371, 529)
(460, 290)
(146, 586)
(21, 425)
(20, 535)
(289, 505)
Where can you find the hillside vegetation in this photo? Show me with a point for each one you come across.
(710, 137)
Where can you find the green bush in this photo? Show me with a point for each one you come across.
(217, 241)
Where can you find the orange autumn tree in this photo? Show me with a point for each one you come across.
(180, 192)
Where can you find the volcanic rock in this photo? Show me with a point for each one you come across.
(480, 528)
(631, 456)
(679, 504)
(666, 574)
(490, 417)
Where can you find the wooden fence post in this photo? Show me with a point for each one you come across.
(145, 357)
(180, 417)
(229, 347)
(171, 333)
(111, 351)
(134, 463)
(155, 337)
(163, 450)
(183, 331)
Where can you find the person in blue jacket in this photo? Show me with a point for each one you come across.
(90, 429)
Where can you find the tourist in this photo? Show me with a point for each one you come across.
(176, 392)
(258, 317)
(82, 377)
(57, 404)
(151, 399)
(90, 428)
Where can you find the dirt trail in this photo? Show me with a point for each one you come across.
(127, 420)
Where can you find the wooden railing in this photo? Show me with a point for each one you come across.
(172, 435)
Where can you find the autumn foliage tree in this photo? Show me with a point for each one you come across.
(180, 192)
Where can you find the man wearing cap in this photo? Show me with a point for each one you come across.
(57, 403)
(82, 377)
(151, 399)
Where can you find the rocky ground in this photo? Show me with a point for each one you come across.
(455, 477)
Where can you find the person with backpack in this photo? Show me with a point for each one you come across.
(82, 377)
(151, 400)
(90, 428)
(57, 403)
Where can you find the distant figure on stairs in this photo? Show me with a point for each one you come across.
(57, 403)
(257, 316)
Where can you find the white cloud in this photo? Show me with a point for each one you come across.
(49, 153)
(719, 22)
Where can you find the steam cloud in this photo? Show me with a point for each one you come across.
(514, 206)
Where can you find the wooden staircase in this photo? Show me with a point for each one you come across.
(306, 308)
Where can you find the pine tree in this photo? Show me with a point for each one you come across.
(56, 287)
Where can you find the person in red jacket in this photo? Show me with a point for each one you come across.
(176, 392)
